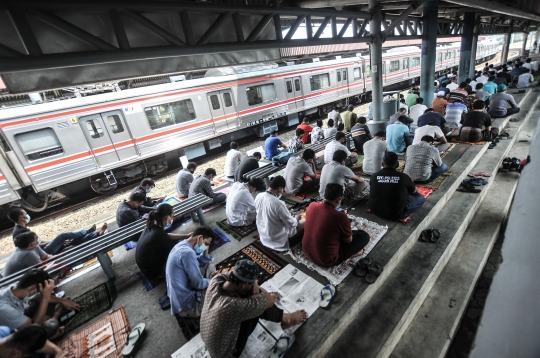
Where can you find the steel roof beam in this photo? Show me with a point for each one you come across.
(496, 7)
(404, 15)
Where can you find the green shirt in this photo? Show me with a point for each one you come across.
(410, 99)
(347, 119)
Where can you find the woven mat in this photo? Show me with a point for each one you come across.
(269, 262)
(237, 232)
(225, 191)
(452, 146)
(93, 303)
(436, 184)
(220, 240)
(401, 166)
(77, 343)
(86, 265)
(455, 140)
(219, 181)
(336, 274)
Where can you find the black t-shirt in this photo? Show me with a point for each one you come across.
(246, 165)
(476, 119)
(152, 251)
(19, 230)
(388, 193)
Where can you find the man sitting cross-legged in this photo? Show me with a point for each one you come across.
(233, 305)
(21, 219)
(338, 144)
(27, 253)
(202, 185)
(275, 223)
(423, 161)
(393, 195)
(240, 208)
(328, 239)
(374, 151)
(474, 121)
(248, 164)
(35, 288)
(297, 169)
(27, 341)
(337, 172)
(189, 268)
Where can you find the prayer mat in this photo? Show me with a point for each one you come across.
(336, 274)
(455, 140)
(237, 232)
(452, 146)
(401, 166)
(90, 263)
(288, 200)
(436, 184)
(268, 261)
(219, 241)
(219, 181)
(111, 332)
(225, 191)
(190, 326)
(93, 303)
(147, 284)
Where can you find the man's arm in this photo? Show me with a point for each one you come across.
(53, 350)
(177, 237)
(196, 281)
(207, 189)
(44, 298)
(511, 101)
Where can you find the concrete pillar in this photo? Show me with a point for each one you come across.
(505, 48)
(474, 47)
(467, 45)
(524, 46)
(538, 41)
(376, 59)
(429, 46)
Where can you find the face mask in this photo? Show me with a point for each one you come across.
(199, 249)
(29, 298)
(39, 240)
(148, 190)
(27, 218)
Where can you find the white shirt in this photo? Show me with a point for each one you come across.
(331, 148)
(330, 132)
(452, 86)
(274, 222)
(473, 85)
(434, 131)
(403, 105)
(240, 209)
(481, 79)
(232, 161)
(529, 65)
(416, 111)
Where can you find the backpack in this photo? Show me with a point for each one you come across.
(281, 159)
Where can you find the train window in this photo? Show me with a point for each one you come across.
(260, 94)
(116, 123)
(167, 114)
(344, 75)
(227, 99)
(368, 71)
(394, 66)
(39, 144)
(415, 62)
(297, 87)
(357, 74)
(439, 57)
(215, 101)
(319, 81)
(289, 87)
(339, 76)
(94, 127)
(405, 63)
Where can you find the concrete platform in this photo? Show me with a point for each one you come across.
(363, 318)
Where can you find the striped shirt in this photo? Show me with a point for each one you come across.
(201, 185)
(453, 114)
(11, 310)
(331, 148)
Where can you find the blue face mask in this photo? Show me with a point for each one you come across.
(199, 249)
(29, 298)
(148, 190)
(27, 218)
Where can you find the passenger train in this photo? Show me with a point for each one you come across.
(60, 147)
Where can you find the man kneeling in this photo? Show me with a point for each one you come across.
(328, 239)
(233, 305)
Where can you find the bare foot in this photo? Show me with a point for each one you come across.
(292, 319)
(102, 230)
(359, 253)
(92, 229)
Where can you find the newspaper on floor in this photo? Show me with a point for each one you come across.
(297, 290)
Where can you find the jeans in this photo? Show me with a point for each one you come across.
(272, 314)
(509, 112)
(435, 173)
(74, 238)
(414, 202)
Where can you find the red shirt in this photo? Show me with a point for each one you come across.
(307, 131)
(323, 231)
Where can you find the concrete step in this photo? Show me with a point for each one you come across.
(434, 326)
(411, 271)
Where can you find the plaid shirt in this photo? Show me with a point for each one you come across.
(295, 144)
(201, 185)
(420, 158)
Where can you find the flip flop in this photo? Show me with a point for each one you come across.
(514, 164)
(133, 340)
(327, 294)
(362, 268)
(514, 120)
(435, 235)
(426, 235)
(375, 270)
(506, 164)
(282, 346)
(492, 145)
(504, 135)
(467, 189)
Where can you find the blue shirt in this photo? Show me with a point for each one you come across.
(4, 332)
(394, 137)
(271, 146)
(490, 87)
(435, 117)
(184, 279)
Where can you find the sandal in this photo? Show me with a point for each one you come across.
(362, 267)
(282, 346)
(504, 135)
(327, 294)
(435, 235)
(426, 235)
(506, 164)
(514, 164)
(375, 270)
(514, 120)
(492, 145)
(468, 189)
(133, 340)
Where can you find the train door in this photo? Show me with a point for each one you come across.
(223, 110)
(384, 72)
(406, 67)
(293, 87)
(298, 92)
(108, 137)
(342, 82)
